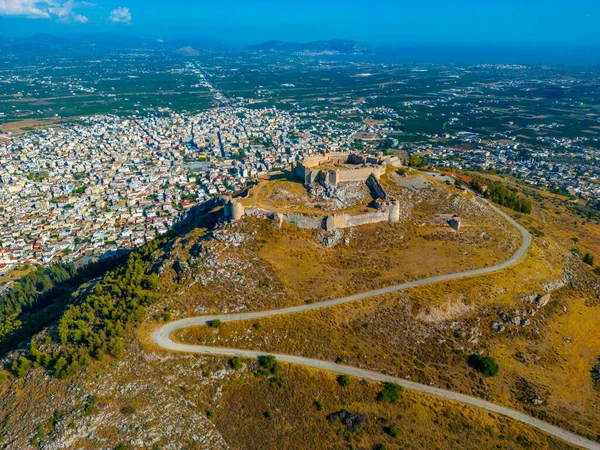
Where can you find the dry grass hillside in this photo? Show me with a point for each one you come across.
(150, 398)
(155, 400)
(545, 351)
(253, 265)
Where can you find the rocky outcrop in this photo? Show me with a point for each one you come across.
(352, 421)
(543, 300)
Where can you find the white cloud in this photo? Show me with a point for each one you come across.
(120, 15)
(29, 8)
(80, 19)
(43, 9)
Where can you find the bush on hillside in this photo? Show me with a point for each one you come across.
(390, 393)
(344, 380)
(484, 364)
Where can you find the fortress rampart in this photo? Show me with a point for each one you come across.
(233, 209)
(309, 170)
(369, 170)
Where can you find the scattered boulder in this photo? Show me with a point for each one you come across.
(543, 301)
(528, 392)
(455, 222)
(352, 421)
(596, 373)
(498, 327)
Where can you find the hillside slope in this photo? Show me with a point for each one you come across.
(142, 397)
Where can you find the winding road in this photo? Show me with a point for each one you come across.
(162, 338)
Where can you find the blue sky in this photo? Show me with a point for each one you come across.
(376, 22)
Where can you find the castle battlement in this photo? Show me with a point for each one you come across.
(352, 168)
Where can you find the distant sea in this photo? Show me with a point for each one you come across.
(484, 54)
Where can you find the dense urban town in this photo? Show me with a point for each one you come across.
(106, 184)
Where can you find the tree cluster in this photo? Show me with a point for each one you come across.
(103, 317)
(40, 297)
(501, 195)
(94, 325)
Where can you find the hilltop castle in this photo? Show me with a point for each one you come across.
(335, 168)
(332, 169)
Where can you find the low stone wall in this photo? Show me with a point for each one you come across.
(388, 213)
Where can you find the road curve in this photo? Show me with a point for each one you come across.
(162, 338)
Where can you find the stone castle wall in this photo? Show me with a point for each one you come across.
(233, 209)
(361, 174)
(308, 170)
(387, 213)
(387, 207)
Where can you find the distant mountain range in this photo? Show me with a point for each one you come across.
(86, 43)
(330, 46)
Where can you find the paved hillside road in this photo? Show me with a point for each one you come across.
(162, 338)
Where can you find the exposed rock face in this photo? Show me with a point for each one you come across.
(543, 301)
(352, 421)
(345, 195)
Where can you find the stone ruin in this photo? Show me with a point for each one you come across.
(233, 209)
(344, 168)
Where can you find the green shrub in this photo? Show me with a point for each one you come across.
(127, 410)
(596, 372)
(484, 364)
(268, 365)
(393, 431)
(123, 447)
(319, 405)
(236, 363)
(20, 366)
(211, 415)
(91, 406)
(115, 348)
(390, 393)
(215, 323)
(151, 282)
(277, 382)
(344, 380)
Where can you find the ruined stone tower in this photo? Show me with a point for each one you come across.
(234, 210)
(394, 210)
